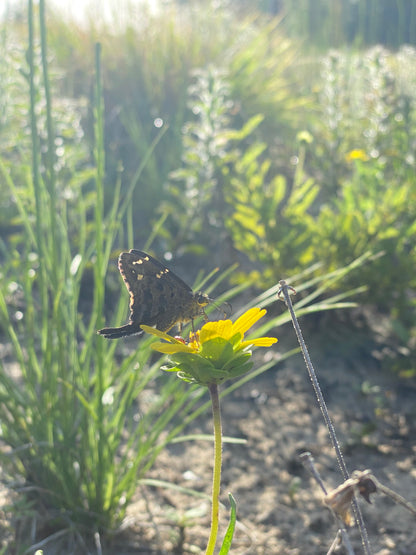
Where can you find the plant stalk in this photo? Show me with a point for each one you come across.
(285, 291)
(216, 480)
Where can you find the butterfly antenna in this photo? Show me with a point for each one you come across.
(227, 309)
(224, 307)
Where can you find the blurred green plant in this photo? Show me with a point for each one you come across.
(353, 187)
(272, 217)
(223, 198)
(367, 110)
(365, 149)
(149, 64)
(363, 154)
(71, 169)
(196, 205)
(76, 448)
(220, 197)
(372, 213)
(266, 73)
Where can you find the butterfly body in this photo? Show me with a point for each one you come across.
(158, 297)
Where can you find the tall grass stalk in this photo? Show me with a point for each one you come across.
(67, 409)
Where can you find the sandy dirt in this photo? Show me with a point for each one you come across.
(280, 509)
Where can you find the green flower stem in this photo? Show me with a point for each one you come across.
(216, 413)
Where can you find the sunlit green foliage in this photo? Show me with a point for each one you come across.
(367, 111)
(364, 148)
(148, 68)
(352, 186)
(261, 160)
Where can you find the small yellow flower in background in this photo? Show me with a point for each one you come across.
(216, 353)
(304, 137)
(356, 154)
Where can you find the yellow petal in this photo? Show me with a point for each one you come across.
(170, 349)
(260, 342)
(221, 328)
(248, 319)
(158, 333)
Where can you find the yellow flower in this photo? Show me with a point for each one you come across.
(227, 330)
(356, 154)
(217, 352)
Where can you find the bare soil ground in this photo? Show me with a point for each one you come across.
(280, 508)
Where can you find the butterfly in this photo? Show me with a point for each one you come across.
(158, 297)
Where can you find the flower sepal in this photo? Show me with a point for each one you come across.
(240, 364)
(193, 368)
(216, 362)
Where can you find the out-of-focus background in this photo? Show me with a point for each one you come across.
(270, 139)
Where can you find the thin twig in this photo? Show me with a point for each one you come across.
(342, 532)
(285, 290)
(308, 461)
(366, 476)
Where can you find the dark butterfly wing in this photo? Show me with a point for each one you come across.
(157, 296)
(122, 331)
(151, 267)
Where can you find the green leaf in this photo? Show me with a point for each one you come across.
(228, 538)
